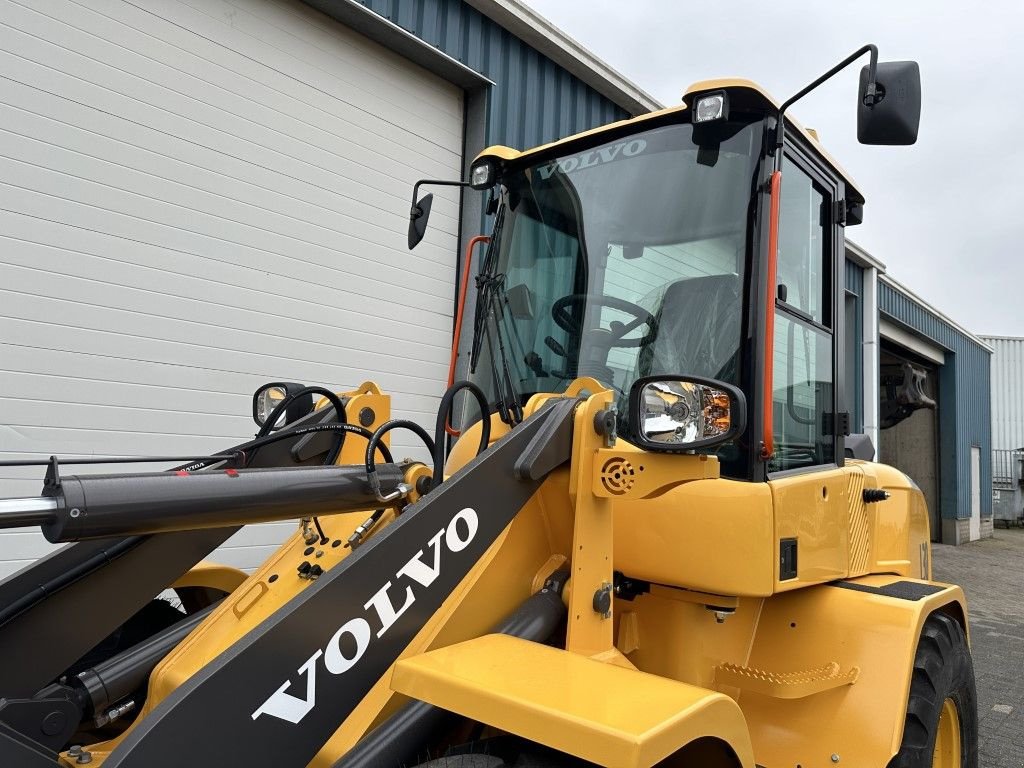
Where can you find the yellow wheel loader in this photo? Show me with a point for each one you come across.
(654, 542)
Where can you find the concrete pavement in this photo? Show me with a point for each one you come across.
(991, 572)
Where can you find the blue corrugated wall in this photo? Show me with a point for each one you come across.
(965, 408)
(534, 100)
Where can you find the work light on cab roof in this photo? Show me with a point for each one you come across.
(713, 106)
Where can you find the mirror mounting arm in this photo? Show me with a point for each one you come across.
(419, 211)
(870, 94)
(416, 211)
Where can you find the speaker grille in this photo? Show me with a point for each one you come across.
(618, 476)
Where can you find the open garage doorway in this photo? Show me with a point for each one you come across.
(909, 419)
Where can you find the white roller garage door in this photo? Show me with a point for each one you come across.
(196, 197)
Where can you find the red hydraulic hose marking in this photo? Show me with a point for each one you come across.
(767, 438)
(458, 319)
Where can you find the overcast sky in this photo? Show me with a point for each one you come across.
(946, 216)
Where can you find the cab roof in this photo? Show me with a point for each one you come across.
(745, 93)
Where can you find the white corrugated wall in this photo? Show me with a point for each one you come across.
(196, 197)
(1007, 391)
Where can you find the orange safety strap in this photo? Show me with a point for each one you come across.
(458, 318)
(768, 438)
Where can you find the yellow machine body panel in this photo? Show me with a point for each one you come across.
(869, 627)
(797, 662)
(667, 540)
(601, 712)
(838, 535)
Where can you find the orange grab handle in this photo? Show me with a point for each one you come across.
(768, 438)
(458, 319)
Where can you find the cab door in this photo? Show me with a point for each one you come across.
(811, 491)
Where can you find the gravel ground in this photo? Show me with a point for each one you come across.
(991, 572)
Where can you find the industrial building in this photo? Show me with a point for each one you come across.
(1007, 428)
(944, 441)
(200, 197)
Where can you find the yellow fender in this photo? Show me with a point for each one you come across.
(830, 669)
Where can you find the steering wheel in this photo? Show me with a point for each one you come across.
(563, 318)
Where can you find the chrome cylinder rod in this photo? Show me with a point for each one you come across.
(34, 510)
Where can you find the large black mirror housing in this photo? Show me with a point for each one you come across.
(420, 210)
(418, 219)
(892, 115)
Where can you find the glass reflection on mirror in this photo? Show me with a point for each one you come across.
(683, 412)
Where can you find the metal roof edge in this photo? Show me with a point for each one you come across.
(382, 30)
(541, 34)
(997, 337)
(898, 286)
(861, 257)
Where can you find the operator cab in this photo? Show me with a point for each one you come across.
(630, 253)
(668, 246)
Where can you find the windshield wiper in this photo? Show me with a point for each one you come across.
(489, 287)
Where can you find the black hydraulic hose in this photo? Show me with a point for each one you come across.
(352, 428)
(339, 409)
(443, 414)
(398, 740)
(275, 414)
(374, 444)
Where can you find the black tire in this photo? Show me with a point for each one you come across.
(506, 752)
(942, 670)
(465, 761)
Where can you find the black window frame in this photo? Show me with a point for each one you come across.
(797, 155)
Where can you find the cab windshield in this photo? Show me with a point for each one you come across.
(621, 261)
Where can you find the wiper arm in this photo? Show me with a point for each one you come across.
(509, 394)
(489, 325)
(482, 283)
(488, 305)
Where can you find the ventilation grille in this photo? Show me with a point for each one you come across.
(618, 476)
(860, 545)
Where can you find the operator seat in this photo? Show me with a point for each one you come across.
(699, 324)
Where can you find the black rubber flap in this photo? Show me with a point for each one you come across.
(903, 590)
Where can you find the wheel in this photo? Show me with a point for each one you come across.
(564, 319)
(941, 727)
(506, 752)
(465, 761)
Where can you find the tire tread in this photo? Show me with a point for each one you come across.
(942, 669)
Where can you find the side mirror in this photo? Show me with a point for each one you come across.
(682, 413)
(854, 213)
(267, 399)
(893, 114)
(418, 219)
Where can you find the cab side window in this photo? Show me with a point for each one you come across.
(803, 366)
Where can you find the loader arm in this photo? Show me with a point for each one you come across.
(277, 695)
(96, 586)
